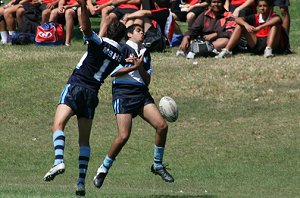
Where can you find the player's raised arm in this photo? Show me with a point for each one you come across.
(85, 20)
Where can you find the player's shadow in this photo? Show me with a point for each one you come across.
(182, 196)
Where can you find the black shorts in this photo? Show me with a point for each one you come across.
(198, 10)
(244, 12)
(128, 100)
(260, 46)
(120, 12)
(281, 3)
(43, 7)
(81, 100)
(180, 15)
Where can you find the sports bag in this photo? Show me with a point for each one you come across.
(22, 38)
(202, 48)
(154, 39)
(50, 34)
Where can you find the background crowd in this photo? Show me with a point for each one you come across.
(215, 27)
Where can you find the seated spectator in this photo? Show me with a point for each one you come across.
(231, 6)
(46, 7)
(10, 14)
(33, 13)
(116, 11)
(282, 4)
(153, 21)
(189, 10)
(262, 32)
(96, 8)
(68, 10)
(214, 26)
(160, 14)
(3, 30)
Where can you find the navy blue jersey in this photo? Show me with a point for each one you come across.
(102, 57)
(132, 84)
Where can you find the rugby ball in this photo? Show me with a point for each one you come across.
(168, 108)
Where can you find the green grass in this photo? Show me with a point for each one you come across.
(237, 134)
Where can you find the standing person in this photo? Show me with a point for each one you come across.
(131, 97)
(80, 96)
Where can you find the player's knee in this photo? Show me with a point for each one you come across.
(162, 127)
(123, 137)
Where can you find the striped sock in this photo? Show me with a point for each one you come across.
(59, 145)
(158, 157)
(84, 157)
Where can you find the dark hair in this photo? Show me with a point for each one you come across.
(130, 29)
(116, 31)
(269, 2)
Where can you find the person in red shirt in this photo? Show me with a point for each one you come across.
(282, 4)
(262, 31)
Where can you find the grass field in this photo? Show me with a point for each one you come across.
(237, 134)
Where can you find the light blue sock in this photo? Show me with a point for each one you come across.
(83, 159)
(59, 146)
(158, 157)
(107, 162)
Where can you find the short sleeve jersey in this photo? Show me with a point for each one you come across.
(133, 77)
(102, 57)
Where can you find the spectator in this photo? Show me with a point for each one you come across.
(160, 14)
(3, 31)
(10, 14)
(33, 13)
(68, 10)
(231, 6)
(190, 10)
(116, 11)
(262, 32)
(214, 26)
(95, 8)
(282, 4)
(46, 7)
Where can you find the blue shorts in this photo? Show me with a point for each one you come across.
(81, 100)
(130, 103)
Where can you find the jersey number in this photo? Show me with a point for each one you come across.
(98, 76)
